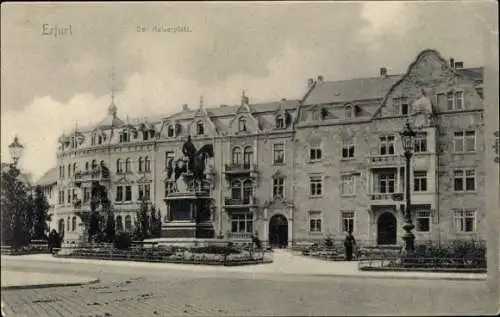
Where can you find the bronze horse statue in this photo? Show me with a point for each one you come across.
(196, 161)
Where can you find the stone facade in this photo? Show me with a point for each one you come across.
(267, 155)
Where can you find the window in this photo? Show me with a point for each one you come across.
(119, 223)
(119, 193)
(169, 156)
(315, 115)
(459, 100)
(145, 135)
(242, 124)
(128, 193)
(464, 180)
(347, 221)
(74, 168)
(479, 91)
(386, 183)
(315, 153)
(348, 112)
(420, 143)
(401, 106)
(315, 221)
(464, 141)
(248, 156)
(420, 181)
(92, 139)
(247, 191)
(86, 194)
(404, 106)
(94, 164)
(278, 153)
(144, 192)
(124, 136)
(86, 166)
(236, 189)
(128, 165)
(423, 221)
(68, 224)
(236, 155)
(69, 196)
(119, 166)
(147, 165)
(140, 165)
(69, 170)
(99, 139)
(316, 186)
(280, 122)
(242, 222)
(278, 187)
(449, 97)
(348, 185)
(200, 128)
(73, 224)
(128, 223)
(387, 145)
(348, 149)
(465, 220)
(170, 131)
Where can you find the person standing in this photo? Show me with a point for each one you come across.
(349, 244)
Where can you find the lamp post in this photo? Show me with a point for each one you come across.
(16, 150)
(407, 139)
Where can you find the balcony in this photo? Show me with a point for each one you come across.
(239, 169)
(95, 175)
(386, 161)
(240, 203)
(386, 198)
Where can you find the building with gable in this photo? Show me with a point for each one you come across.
(296, 170)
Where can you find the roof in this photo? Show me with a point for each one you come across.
(351, 90)
(50, 177)
(475, 73)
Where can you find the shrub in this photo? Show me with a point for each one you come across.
(122, 241)
(329, 243)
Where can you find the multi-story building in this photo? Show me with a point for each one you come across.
(294, 170)
(48, 184)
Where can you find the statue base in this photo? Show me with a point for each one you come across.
(187, 229)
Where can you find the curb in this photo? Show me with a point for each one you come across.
(18, 287)
(392, 277)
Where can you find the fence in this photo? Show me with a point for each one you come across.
(35, 247)
(473, 265)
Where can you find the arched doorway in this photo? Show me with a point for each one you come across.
(278, 231)
(61, 227)
(386, 229)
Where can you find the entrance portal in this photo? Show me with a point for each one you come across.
(278, 231)
(386, 229)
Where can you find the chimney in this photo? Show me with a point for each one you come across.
(452, 62)
(383, 72)
(310, 82)
(223, 106)
(283, 99)
(459, 64)
(185, 107)
(320, 79)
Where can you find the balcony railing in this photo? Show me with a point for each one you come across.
(240, 235)
(383, 160)
(387, 196)
(93, 175)
(250, 201)
(240, 168)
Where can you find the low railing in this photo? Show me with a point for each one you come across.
(387, 196)
(241, 167)
(386, 159)
(240, 235)
(450, 264)
(251, 201)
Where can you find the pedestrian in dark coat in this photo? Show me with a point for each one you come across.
(349, 244)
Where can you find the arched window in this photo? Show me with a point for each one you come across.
(248, 155)
(73, 224)
(140, 166)
(127, 165)
(119, 223)
(119, 166)
(61, 226)
(242, 124)
(69, 170)
(247, 191)
(280, 122)
(128, 223)
(200, 128)
(170, 131)
(94, 164)
(99, 139)
(86, 166)
(236, 155)
(236, 189)
(147, 164)
(68, 223)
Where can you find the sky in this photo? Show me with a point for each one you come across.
(51, 84)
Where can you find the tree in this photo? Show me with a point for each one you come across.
(110, 230)
(155, 222)
(15, 229)
(40, 214)
(142, 224)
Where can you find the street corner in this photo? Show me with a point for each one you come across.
(28, 280)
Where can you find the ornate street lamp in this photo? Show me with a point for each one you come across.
(16, 150)
(407, 139)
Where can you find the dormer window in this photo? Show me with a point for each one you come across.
(315, 115)
(280, 122)
(145, 135)
(92, 139)
(349, 112)
(171, 131)
(401, 106)
(124, 136)
(200, 128)
(100, 139)
(242, 124)
(152, 133)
